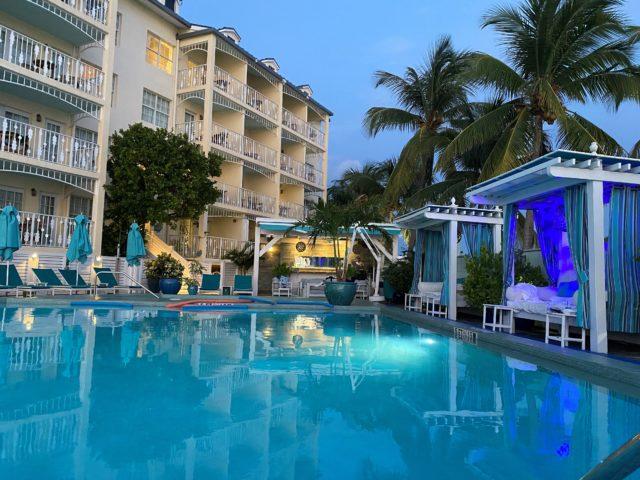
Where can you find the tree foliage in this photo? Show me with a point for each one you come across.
(483, 283)
(242, 258)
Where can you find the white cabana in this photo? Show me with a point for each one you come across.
(446, 219)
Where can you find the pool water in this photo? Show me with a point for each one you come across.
(135, 394)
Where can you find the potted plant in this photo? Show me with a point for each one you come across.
(335, 223)
(397, 278)
(169, 272)
(195, 269)
(281, 270)
(242, 258)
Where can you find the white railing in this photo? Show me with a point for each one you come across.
(292, 210)
(192, 77)
(300, 170)
(48, 62)
(244, 146)
(40, 230)
(261, 103)
(185, 245)
(247, 199)
(46, 145)
(96, 9)
(227, 83)
(313, 175)
(217, 247)
(193, 130)
(308, 131)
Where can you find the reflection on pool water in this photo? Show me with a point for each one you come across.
(153, 394)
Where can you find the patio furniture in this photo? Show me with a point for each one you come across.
(502, 319)
(47, 276)
(16, 285)
(75, 280)
(242, 285)
(210, 283)
(413, 302)
(314, 289)
(362, 288)
(106, 278)
(565, 319)
(281, 287)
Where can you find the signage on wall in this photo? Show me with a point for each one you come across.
(301, 247)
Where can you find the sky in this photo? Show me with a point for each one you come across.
(336, 45)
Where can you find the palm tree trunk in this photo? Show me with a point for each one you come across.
(528, 237)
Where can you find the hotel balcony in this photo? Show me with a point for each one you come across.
(31, 142)
(304, 172)
(46, 63)
(214, 247)
(292, 210)
(244, 199)
(302, 128)
(230, 87)
(97, 10)
(217, 247)
(46, 231)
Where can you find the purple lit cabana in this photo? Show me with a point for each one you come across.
(586, 209)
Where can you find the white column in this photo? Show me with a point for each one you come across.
(394, 246)
(497, 238)
(256, 260)
(453, 269)
(597, 293)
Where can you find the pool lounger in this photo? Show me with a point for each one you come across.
(75, 280)
(105, 278)
(16, 285)
(47, 276)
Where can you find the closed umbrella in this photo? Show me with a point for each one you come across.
(135, 246)
(80, 245)
(9, 234)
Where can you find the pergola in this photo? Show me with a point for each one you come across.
(277, 229)
(433, 217)
(575, 186)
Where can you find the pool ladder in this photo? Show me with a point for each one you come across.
(620, 464)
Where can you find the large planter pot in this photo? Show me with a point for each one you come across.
(388, 290)
(153, 284)
(170, 286)
(192, 289)
(340, 293)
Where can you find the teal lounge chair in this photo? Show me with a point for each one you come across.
(106, 278)
(210, 283)
(16, 285)
(74, 280)
(242, 285)
(47, 276)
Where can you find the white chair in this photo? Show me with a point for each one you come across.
(281, 287)
(362, 288)
(430, 293)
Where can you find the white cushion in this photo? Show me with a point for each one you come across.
(546, 293)
(529, 292)
(429, 287)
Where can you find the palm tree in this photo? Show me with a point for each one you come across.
(559, 52)
(368, 181)
(428, 98)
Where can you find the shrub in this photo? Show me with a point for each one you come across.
(164, 266)
(484, 279)
(527, 273)
(242, 258)
(399, 275)
(281, 270)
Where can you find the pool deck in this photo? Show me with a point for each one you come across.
(607, 370)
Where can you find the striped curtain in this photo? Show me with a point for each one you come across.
(623, 270)
(476, 236)
(434, 251)
(549, 239)
(444, 294)
(575, 208)
(508, 247)
(418, 249)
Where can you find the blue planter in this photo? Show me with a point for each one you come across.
(192, 289)
(340, 293)
(170, 286)
(388, 290)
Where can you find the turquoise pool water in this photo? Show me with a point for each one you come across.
(134, 394)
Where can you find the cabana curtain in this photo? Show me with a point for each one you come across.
(575, 208)
(476, 236)
(508, 247)
(418, 249)
(623, 270)
(434, 251)
(549, 239)
(444, 293)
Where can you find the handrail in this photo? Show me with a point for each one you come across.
(126, 275)
(620, 464)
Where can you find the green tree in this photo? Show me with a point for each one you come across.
(428, 98)
(242, 258)
(157, 176)
(559, 53)
(369, 181)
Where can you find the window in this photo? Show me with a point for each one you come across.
(16, 117)
(118, 28)
(114, 89)
(78, 205)
(155, 109)
(47, 204)
(159, 53)
(86, 135)
(11, 197)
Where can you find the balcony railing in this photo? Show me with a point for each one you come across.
(185, 245)
(40, 230)
(96, 9)
(300, 170)
(292, 210)
(217, 247)
(247, 199)
(306, 130)
(192, 77)
(261, 103)
(47, 145)
(193, 130)
(227, 83)
(48, 62)
(244, 146)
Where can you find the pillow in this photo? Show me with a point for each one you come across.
(429, 287)
(529, 292)
(513, 294)
(546, 293)
(567, 289)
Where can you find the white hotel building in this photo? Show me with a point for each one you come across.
(74, 71)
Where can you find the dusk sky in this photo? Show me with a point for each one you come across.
(336, 45)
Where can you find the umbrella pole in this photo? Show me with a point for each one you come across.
(7, 282)
(77, 272)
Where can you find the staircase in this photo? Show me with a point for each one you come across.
(156, 246)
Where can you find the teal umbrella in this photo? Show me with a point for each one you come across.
(135, 246)
(80, 246)
(9, 234)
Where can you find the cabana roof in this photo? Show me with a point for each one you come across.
(554, 171)
(434, 215)
(279, 226)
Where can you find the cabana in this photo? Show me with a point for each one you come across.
(586, 209)
(270, 231)
(436, 244)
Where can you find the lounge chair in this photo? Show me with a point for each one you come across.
(106, 278)
(362, 288)
(47, 276)
(210, 283)
(281, 287)
(74, 280)
(242, 285)
(16, 285)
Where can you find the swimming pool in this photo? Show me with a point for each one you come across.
(131, 394)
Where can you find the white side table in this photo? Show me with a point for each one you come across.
(413, 302)
(564, 337)
(502, 319)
